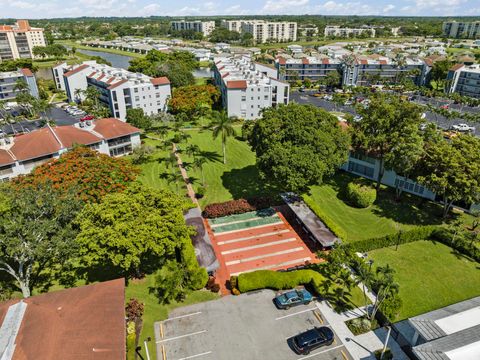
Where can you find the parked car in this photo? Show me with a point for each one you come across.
(312, 339)
(463, 128)
(357, 118)
(444, 107)
(293, 298)
(88, 117)
(348, 103)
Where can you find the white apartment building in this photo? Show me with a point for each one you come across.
(8, 81)
(308, 30)
(119, 89)
(17, 41)
(454, 29)
(248, 87)
(465, 80)
(264, 31)
(21, 154)
(338, 31)
(205, 27)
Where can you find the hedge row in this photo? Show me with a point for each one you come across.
(360, 195)
(327, 220)
(268, 279)
(401, 237)
(239, 206)
(467, 248)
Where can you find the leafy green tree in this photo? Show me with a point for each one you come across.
(137, 118)
(37, 234)
(385, 122)
(386, 291)
(141, 154)
(222, 125)
(332, 79)
(298, 145)
(135, 231)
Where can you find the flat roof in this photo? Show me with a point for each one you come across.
(468, 352)
(460, 321)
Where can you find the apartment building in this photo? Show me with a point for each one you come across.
(17, 41)
(338, 31)
(21, 154)
(308, 30)
(204, 27)
(465, 80)
(365, 70)
(465, 30)
(264, 31)
(314, 68)
(247, 87)
(119, 89)
(8, 83)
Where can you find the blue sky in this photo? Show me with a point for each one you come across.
(76, 8)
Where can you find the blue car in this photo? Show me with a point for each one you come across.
(293, 298)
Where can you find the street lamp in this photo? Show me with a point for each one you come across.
(389, 327)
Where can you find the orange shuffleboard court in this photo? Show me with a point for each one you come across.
(261, 240)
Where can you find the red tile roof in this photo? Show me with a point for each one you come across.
(101, 77)
(87, 322)
(6, 158)
(70, 135)
(325, 61)
(76, 70)
(281, 60)
(26, 72)
(364, 62)
(111, 128)
(382, 62)
(305, 61)
(35, 144)
(118, 83)
(456, 67)
(225, 75)
(237, 84)
(91, 75)
(160, 81)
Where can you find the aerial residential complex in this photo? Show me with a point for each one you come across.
(264, 31)
(119, 89)
(248, 87)
(338, 31)
(17, 41)
(21, 154)
(465, 80)
(9, 80)
(454, 29)
(205, 27)
(309, 67)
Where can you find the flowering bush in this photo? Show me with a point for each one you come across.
(239, 206)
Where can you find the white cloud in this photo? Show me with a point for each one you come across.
(283, 6)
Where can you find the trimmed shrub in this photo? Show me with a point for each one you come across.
(401, 237)
(327, 220)
(268, 279)
(360, 195)
(239, 206)
(466, 247)
(200, 193)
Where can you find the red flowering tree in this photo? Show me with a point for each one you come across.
(92, 175)
(193, 98)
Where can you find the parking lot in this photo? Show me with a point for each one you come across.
(247, 327)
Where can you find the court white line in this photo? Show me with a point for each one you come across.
(182, 336)
(195, 356)
(183, 316)
(253, 258)
(321, 352)
(298, 312)
(246, 229)
(272, 243)
(252, 237)
(286, 263)
(238, 221)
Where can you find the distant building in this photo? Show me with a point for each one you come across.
(466, 30)
(21, 154)
(264, 31)
(17, 41)
(308, 30)
(8, 81)
(204, 27)
(312, 68)
(86, 322)
(338, 31)
(465, 80)
(119, 89)
(247, 88)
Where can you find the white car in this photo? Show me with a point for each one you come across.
(463, 128)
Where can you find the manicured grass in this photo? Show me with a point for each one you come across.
(385, 216)
(107, 50)
(156, 312)
(431, 275)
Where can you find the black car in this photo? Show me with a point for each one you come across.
(312, 339)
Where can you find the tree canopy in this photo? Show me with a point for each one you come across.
(192, 99)
(298, 145)
(90, 174)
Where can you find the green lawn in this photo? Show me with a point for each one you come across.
(111, 51)
(430, 275)
(384, 217)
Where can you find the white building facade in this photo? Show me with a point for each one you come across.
(465, 80)
(338, 31)
(119, 89)
(204, 27)
(264, 31)
(247, 88)
(17, 41)
(8, 81)
(465, 30)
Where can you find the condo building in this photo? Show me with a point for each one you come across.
(204, 27)
(314, 68)
(466, 30)
(119, 89)
(17, 41)
(247, 87)
(264, 31)
(337, 31)
(465, 80)
(10, 79)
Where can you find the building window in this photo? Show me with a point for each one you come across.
(360, 169)
(122, 150)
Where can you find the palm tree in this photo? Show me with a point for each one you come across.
(198, 164)
(222, 125)
(171, 161)
(192, 150)
(78, 95)
(365, 276)
(20, 86)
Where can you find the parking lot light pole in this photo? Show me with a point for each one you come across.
(386, 341)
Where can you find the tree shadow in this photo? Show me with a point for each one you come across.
(211, 156)
(246, 182)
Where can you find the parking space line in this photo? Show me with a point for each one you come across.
(195, 356)
(298, 312)
(182, 336)
(321, 352)
(183, 316)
